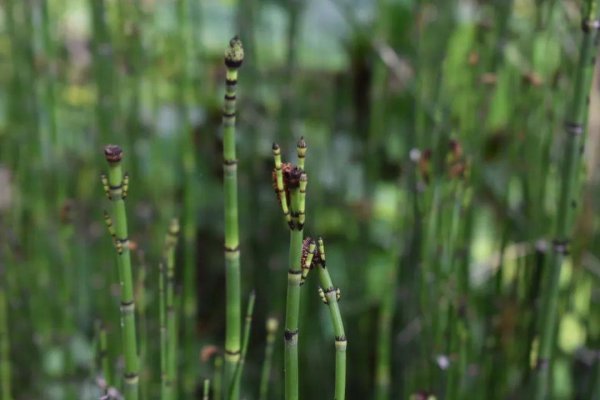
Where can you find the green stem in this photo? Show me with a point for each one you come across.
(103, 359)
(247, 326)
(117, 192)
(4, 348)
(233, 60)
(272, 326)
(574, 129)
(206, 389)
(331, 295)
(170, 244)
(164, 375)
(292, 312)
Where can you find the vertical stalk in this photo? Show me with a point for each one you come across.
(4, 348)
(170, 244)
(290, 185)
(206, 389)
(330, 295)
(234, 56)
(247, 326)
(116, 190)
(567, 203)
(103, 359)
(165, 383)
(218, 378)
(272, 326)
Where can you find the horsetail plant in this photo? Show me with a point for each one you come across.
(272, 325)
(4, 347)
(290, 185)
(170, 244)
(165, 382)
(237, 377)
(331, 296)
(234, 56)
(574, 129)
(115, 188)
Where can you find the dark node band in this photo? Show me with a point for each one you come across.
(230, 162)
(294, 272)
(130, 375)
(231, 82)
(301, 155)
(230, 97)
(232, 352)
(228, 115)
(289, 335)
(126, 303)
(302, 191)
(341, 338)
(329, 290)
(122, 240)
(574, 128)
(233, 64)
(115, 187)
(231, 249)
(300, 226)
(291, 225)
(588, 24)
(561, 246)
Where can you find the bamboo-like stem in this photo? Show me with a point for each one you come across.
(116, 192)
(272, 325)
(4, 347)
(247, 326)
(165, 383)
(218, 378)
(290, 184)
(574, 129)
(206, 389)
(102, 355)
(140, 293)
(331, 295)
(234, 57)
(170, 245)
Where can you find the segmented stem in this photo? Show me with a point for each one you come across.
(341, 342)
(247, 326)
(114, 155)
(170, 245)
(272, 326)
(569, 182)
(234, 56)
(4, 347)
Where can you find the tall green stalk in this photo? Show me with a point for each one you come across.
(330, 296)
(290, 184)
(234, 56)
(170, 244)
(206, 389)
(237, 378)
(165, 382)
(4, 347)
(116, 187)
(272, 325)
(567, 203)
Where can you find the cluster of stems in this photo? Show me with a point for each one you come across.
(234, 56)
(116, 187)
(567, 202)
(290, 185)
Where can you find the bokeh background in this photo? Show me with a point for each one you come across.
(439, 262)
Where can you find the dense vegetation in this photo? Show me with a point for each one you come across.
(444, 154)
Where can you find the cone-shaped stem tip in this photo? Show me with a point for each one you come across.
(302, 143)
(234, 55)
(113, 153)
(275, 146)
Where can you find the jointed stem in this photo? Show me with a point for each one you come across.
(113, 155)
(272, 325)
(170, 244)
(574, 128)
(331, 295)
(247, 326)
(233, 60)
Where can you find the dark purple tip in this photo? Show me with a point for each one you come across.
(113, 153)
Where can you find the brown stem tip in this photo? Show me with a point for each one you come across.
(234, 55)
(113, 153)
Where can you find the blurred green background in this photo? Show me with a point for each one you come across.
(439, 262)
